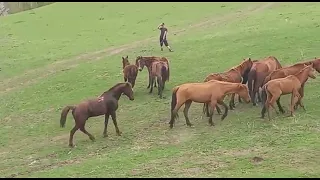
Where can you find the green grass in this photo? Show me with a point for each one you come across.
(33, 145)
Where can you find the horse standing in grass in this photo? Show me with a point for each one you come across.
(273, 89)
(291, 70)
(259, 71)
(235, 75)
(211, 92)
(159, 71)
(147, 61)
(130, 71)
(106, 104)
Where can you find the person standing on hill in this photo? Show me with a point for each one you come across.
(163, 37)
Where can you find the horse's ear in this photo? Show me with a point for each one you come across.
(122, 58)
(127, 57)
(249, 59)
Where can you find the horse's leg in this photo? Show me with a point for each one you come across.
(294, 99)
(206, 106)
(213, 106)
(218, 110)
(279, 106)
(231, 103)
(159, 87)
(151, 84)
(301, 92)
(73, 130)
(259, 96)
(106, 120)
(149, 73)
(225, 109)
(114, 119)
(83, 129)
(185, 112)
(271, 103)
(174, 112)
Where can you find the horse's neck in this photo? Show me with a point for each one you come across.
(230, 88)
(303, 76)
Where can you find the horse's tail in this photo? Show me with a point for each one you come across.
(264, 94)
(174, 99)
(164, 73)
(251, 79)
(64, 114)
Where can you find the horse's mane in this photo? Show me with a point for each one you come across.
(118, 85)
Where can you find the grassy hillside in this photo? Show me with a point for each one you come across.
(213, 38)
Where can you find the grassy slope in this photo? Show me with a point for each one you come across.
(32, 141)
(51, 33)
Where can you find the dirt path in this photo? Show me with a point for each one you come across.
(33, 76)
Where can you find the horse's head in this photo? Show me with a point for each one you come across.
(316, 64)
(243, 92)
(245, 66)
(310, 70)
(140, 63)
(127, 90)
(125, 61)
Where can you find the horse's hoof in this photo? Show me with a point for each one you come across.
(92, 139)
(171, 126)
(119, 133)
(190, 125)
(71, 145)
(105, 135)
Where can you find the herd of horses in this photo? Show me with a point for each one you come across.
(263, 81)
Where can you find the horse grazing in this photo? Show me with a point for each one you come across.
(142, 61)
(106, 104)
(273, 89)
(291, 70)
(130, 71)
(159, 70)
(258, 72)
(211, 92)
(235, 75)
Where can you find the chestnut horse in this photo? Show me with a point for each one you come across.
(235, 75)
(291, 70)
(130, 71)
(160, 71)
(273, 89)
(106, 104)
(142, 61)
(259, 71)
(211, 92)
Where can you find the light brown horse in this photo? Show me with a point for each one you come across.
(106, 104)
(291, 70)
(142, 61)
(258, 72)
(273, 89)
(159, 71)
(211, 92)
(130, 71)
(235, 75)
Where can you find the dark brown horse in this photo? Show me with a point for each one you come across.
(259, 71)
(291, 84)
(142, 61)
(159, 71)
(106, 104)
(130, 71)
(236, 75)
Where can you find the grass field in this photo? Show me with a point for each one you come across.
(63, 53)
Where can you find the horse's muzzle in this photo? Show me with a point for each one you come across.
(131, 99)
